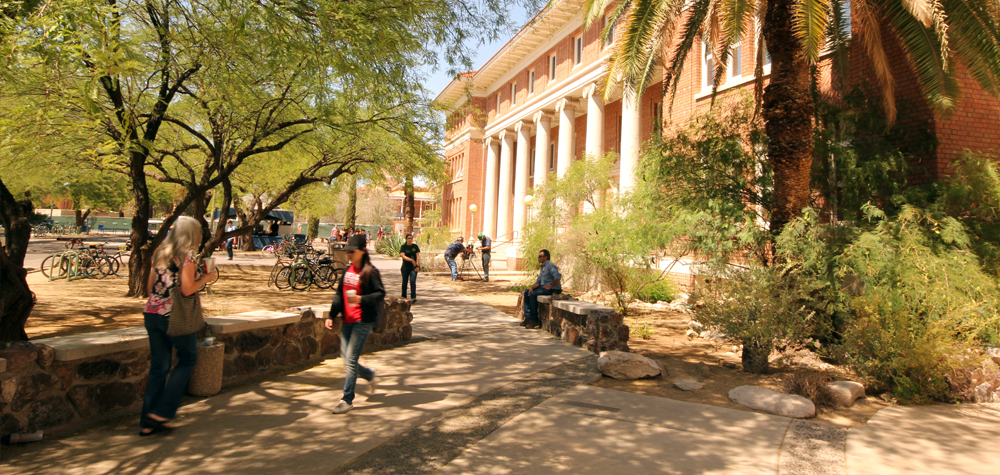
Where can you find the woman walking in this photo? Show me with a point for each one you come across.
(410, 253)
(360, 298)
(173, 266)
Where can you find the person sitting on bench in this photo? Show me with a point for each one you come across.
(547, 283)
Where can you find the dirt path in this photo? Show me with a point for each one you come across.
(89, 305)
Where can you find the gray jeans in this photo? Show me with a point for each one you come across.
(486, 265)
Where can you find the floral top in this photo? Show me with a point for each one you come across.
(159, 299)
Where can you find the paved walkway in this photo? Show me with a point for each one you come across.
(476, 394)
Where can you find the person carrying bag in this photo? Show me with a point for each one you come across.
(172, 317)
(360, 303)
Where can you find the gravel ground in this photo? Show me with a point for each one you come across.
(812, 448)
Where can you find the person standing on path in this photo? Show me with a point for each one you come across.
(453, 250)
(173, 265)
(410, 253)
(485, 244)
(360, 298)
(547, 283)
(230, 227)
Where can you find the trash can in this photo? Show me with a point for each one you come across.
(206, 378)
(100, 228)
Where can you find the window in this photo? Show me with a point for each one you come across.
(531, 164)
(531, 81)
(707, 66)
(552, 68)
(552, 156)
(578, 50)
(735, 61)
(767, 55)
(657, 116)
(498, 102)
(513, 93)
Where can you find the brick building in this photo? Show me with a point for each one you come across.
(535, 107)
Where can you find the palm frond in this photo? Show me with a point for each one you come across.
(641, 45)
(930, 61)
(869, 32)
(593, 10)
(811, 18)
(696, 11)
(761, 51)
(734, 18)
(976, 36)
(921, 10)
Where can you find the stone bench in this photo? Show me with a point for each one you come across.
(241, 322)
(584, 324)
(88, 345)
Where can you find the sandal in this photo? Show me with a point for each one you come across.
(158, 427)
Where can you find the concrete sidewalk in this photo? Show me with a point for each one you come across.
(474, 393)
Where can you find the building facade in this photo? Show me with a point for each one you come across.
(536, 107)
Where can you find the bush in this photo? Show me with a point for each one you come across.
(757, 307)
(657, 291)
(812, 386)
(389, 246)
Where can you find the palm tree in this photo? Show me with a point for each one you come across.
(934, 34)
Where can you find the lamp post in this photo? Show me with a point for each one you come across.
(473, 208)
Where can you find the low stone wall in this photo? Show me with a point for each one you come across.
(587, 325)
(59, 384)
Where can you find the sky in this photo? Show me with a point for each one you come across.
(436, 81)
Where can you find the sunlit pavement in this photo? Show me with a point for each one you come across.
(468, 363)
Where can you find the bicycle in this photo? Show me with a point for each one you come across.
(304, 272)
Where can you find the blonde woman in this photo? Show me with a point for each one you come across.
(173, 265)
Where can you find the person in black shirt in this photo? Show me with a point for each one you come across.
(451, 253)
(410, 253)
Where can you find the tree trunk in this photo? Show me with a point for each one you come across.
(408, 200)
(788, 110)
(313, 230)
(81, 217)
(16, 299)
(754, 357)
(139, 261)
(352, 203)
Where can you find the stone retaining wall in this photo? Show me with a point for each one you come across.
(59, 384)
(587, 325)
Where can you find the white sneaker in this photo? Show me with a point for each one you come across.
(371, 382)
(343, 407)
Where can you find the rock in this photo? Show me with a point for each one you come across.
(621, 365)
(695, 326)
(19, 357)
(687, 385)
(29, 388)
(46, 355)
(9, 424)
(845, 392)
(82, 398)
(97, 369)
(3, 365)
(712, 335)
(245, 364)
(773, 402)
(249, 342)
(50, 412)
(691, 334)
(113, 395)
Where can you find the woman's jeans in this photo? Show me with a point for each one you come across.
(163, 397)
(352, 341)
(452, 265)
(410, 277)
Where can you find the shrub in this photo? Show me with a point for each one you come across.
(757, 307)
(389, 246)
(657, 291)
(812, 386)
(642, 330)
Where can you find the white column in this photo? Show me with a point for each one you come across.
(542, 139)
(630, 142)
(566, 108)
(595, 133)
(490, 191)
(506, 182)
(523, 130)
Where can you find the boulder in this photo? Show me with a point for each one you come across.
(691, 334)
(687, 385)
(845, 392)
(773, 402)
(621, 365)
(695, 326)
(46, 355)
